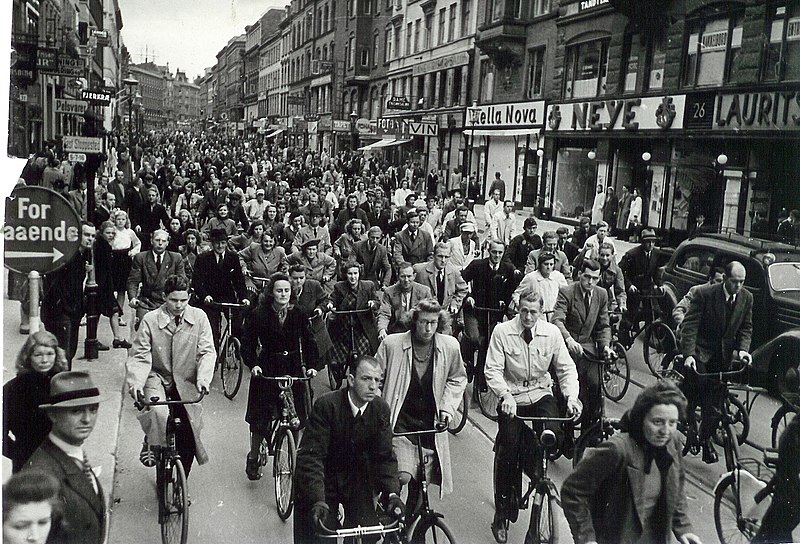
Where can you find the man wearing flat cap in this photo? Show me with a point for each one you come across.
(72, 408)
(314, 231)
(319, 266)
(640, 266)
(464, 248)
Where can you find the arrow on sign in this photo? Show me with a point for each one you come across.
(55, 254)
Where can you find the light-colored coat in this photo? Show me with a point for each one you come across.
(449, 382)
(457, 256)
(188, 354)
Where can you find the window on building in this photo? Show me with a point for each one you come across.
(541, 7)
(712, 46)
(367, 7)
(347, 54)
(417, 24)
(656, 59)
(396, 33)
(782, 56)
(494, 10)
(387, 47)
(427, 42)
(332, 19)
(535, 72)
(442, 23)
(465, 23)
(455, 99)
(420, 92)
(451, 31)
(364, 57)
(442, 89)
(631, 61)
(586, 69)
(487, 81)
(409, 35)
(375, 46)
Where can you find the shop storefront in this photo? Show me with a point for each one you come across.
(504, 139)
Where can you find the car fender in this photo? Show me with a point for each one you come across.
(773, 358)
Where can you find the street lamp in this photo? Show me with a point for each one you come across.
(473, 111)
(137, 103)
(130, 83)
(354, 133)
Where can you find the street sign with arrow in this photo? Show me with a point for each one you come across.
(42, 230)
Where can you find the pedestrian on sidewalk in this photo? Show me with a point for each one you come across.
(25, 425)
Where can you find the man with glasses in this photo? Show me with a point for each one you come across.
(581, 314)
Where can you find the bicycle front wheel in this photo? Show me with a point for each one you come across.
(727, 513)
(283, 472)
(740, 422)
(617, 376)
(460, 417)
(335, 375)
(590, 439)
(543, 518)
(659, 345)
(779, 422)
(174, 495)
(230, 371)
(434, 531)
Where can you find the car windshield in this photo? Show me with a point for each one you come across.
(784, 276)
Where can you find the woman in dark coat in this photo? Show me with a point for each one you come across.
(278, 328)
(39, 360)
(104, 276)
(610, 208)
(631, 489)
(354, 294)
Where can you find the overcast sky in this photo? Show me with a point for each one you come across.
(187, 34)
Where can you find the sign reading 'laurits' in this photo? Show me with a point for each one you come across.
(517, 114)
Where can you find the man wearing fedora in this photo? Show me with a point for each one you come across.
(640, 266)
(314, 231)
(218, 277)
(72, 409)
(172, 358)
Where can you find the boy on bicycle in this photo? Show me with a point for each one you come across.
(521, 352)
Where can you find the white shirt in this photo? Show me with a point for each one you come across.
(546, 287)
(74, 452)
(355, 409)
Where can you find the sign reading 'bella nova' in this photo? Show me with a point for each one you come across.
(517, 114)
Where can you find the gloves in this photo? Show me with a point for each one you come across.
(319, 512)
(395, 507)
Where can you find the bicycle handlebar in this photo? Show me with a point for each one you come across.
(334, 311)
(359, 531)
(545, 419)
(502, 308)
(439, 427)
(226, 305)
(142, 402)
(285, 382)
(601, 361)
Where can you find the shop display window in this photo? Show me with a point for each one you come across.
(575, 182)
(586, 69)
(712, 46)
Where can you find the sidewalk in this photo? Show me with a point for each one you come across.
(544, 226)
(108, 374)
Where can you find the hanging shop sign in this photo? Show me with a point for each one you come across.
(630, 114)
(97, 96)
(588, 5)
(70, 107)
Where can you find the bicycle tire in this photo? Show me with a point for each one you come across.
(725, 516)
(543, 519)
(741, 423)
(335, 376)
(586, 440)
(434, 531)
(659, 342)
(230, 371)
(616, 377)
(175, 496)
(488, 403)
(283, 472)
(460, 417)
(779, 422)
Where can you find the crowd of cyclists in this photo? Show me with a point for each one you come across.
(301, 238)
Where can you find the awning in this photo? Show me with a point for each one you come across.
(274, 133)
(369, 146)
(386, 142)
(501, 132)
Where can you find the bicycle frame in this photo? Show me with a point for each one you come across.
(357, 533)
(228, 308)
(545, 483)
(350, 316)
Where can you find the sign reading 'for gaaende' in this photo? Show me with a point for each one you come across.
(42, 230)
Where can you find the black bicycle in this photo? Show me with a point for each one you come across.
(544, 490)
(171, 485)
(337, 370)
(229, 358)
(659, 342)
(487, 400)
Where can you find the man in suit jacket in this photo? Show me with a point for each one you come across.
(78, 199)
(412, 244)
(218, 277)
(72, 409)
(565, 245)
(550, 240)
(640, 266)
(374, 257)
(153, 217)
(347, 428)
(581, 314)
(493, 282)
(117, 187)
(213, 198)
(464, 248)
(443, 279)
(716, 331)
(149, 270)
(522, 244)
(310, 297)
(398, 301)
(503, 224)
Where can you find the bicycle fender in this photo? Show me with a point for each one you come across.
(720, 479)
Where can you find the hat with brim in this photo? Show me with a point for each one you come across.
(70, 389)
(648, 234)
(218, 235)
(314, 242)
(314, 210)
(467, 226)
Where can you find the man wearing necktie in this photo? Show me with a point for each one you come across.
(581, 314)
(716, 331)
(412, 244)
(398, 300)
(443, 279)
(521, 354)
(640, 267)
(72, 408)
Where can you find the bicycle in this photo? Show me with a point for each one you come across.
(782, 416)
(487, 400)
(543, 489)
(171, 486)
(282, 443)
(337, 371)
(357, 533)
(659, 340)
(229, 358)
(602, 429)
(616, 377)
(424, 524)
